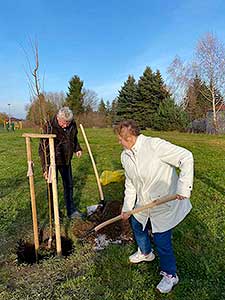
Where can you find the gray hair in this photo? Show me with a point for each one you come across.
(127, 127)
(65, 114)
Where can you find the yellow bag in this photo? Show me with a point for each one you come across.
(111, 176)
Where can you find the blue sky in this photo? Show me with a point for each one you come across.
(100, 41)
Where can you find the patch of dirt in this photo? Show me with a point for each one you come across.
(83, 230)
(25, 251)
(119, 230)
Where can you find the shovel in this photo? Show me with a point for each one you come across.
(91, 209)
(152, 204)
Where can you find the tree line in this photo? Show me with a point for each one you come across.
(195, 88)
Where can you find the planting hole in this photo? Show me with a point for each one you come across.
(26, 251)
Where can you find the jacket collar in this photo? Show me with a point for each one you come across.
(136, 147)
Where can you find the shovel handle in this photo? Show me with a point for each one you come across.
(93, 163)
(152, 204)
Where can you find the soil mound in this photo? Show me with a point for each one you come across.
(119, 230)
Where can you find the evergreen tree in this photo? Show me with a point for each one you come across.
(75, 99)
(108, 107)
(196, 103)
(152, 92)
(101, 107)
(126, 101)
(113, 111)
(170, 116)
(161, 91)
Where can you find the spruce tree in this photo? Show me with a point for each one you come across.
(170, 116)
(196, 103)
(75, 99)
(108, 107)
(113, 111)
(102, 107)
(126, 101)
(152, 92)
(161, 92)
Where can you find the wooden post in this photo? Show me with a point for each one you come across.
(54, 188)
(32, 195)
(50, 217)
(55, 197)
(93, 163)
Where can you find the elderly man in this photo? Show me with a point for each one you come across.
(150, 168)
(66, 143)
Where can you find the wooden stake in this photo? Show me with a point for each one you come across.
(39, 135)
(93, 163)
(32, 195)
(55, 197)
(50, 217)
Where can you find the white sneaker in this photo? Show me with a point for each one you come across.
(139, 257)
(167, 282)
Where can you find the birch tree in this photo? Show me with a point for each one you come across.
(209, 65)
(210, 57)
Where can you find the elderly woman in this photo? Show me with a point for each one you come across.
(150, 169)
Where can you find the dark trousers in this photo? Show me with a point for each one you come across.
(163, 242)
(67, 179)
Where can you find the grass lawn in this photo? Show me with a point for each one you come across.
(199, 241)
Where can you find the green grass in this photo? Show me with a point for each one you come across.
(199, 241)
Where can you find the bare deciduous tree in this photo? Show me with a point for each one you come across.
(209, 66)
(56, 98)
(34, 82)
(181, 77)
(90, 100)
(210, 55)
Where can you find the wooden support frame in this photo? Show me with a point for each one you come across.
(30, 174)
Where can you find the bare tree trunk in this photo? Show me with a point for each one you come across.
(215, 123)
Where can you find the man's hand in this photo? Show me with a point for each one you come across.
(45, 175)
(124, 216)
(180, 197)
(78, 154)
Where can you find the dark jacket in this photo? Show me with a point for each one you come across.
(66, 143)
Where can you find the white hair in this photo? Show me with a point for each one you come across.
(65, 114)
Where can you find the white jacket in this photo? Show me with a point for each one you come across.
(150, 170)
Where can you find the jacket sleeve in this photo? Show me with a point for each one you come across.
(130, 191)
(180, 158)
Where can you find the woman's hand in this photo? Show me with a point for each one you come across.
(180, 197)
(125, 216)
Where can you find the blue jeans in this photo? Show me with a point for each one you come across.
(163, 243)
(67, 178)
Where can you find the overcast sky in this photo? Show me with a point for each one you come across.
(100, 41)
